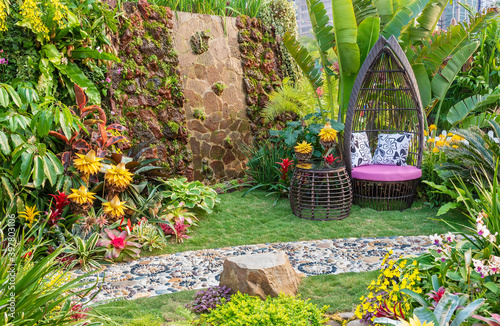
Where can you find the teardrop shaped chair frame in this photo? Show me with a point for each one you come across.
(363, 116)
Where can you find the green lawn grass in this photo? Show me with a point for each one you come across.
(339, 292)
(252, 219)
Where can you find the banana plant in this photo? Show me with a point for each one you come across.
(463, 112)
(442, 313)
(356, 27)
(457, 43)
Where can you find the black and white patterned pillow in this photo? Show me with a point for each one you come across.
(361, 153)
(392, 149)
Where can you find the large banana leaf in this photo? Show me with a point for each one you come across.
(385, 10)
(481, 120)
(424, 84)
(346, 35)
(368, 32)
(447, 43)
(322, 31)
(463, 108)
(443, 79)
(427, 21)
(363, 9)
(304, 60)
(403, 17)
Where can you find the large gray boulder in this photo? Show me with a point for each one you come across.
(260, 275)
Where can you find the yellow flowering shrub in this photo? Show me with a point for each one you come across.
(35, 15)
(394, 276)
(3, 16)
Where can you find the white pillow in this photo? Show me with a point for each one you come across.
(361, 153)
(392, 149)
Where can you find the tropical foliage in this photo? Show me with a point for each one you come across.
(356, 29)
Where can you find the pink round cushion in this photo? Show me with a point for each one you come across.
(386, 173)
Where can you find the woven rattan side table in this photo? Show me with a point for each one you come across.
(320, 191)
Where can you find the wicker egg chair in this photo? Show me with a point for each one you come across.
(385, 100)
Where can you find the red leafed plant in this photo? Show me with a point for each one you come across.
(179, 232)
(384, 310)
(101, 138)
(493, 321)
(61, 201)
(285, 164)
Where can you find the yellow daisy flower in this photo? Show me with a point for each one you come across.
(435, 150)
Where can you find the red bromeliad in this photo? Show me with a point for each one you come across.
(61, 201)
(384, 310)
(437, 295)
(285, 164)
(330, 159)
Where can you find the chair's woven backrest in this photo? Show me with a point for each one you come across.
(385, 99)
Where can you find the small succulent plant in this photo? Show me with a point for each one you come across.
(209, 299)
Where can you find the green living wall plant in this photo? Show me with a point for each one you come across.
(281, 14)
(55, 44)
(357, 26)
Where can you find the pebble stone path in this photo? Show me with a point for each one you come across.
(151, 276)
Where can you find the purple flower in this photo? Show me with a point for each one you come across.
(206, 300)
(108, 79)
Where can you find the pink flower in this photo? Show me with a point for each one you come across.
(481, 268)
(320, 91)
(483, 230)
(436, 239)
(108, 80)
(450, 237)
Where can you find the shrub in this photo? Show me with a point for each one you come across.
(193, 194)
(209, 299)
(284, 310)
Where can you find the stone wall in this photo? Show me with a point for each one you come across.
(217, 124)
(194, 86)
